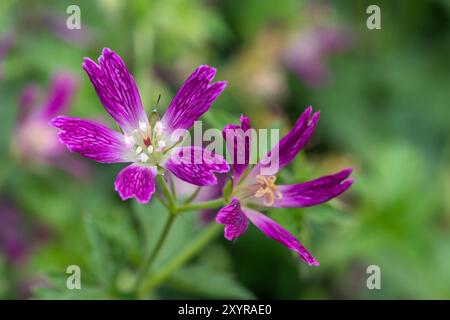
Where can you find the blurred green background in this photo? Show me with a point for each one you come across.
(384, 100)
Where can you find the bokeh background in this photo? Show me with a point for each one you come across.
(384, 97)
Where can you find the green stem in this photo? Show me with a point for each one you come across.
(166, 191)
(189, 252)
(148, 262)
(201, 205)
(172, 187)
(193, 195)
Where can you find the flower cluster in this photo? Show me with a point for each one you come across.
(147, 143)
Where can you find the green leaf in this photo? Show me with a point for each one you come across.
(210, 283)
(56, 288)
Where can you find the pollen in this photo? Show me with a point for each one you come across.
(267, 189)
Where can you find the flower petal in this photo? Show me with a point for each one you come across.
(60, 93)
(116, 90)
(192, 100)
(314, 192)
(92, 140)
(233, 218)
(238, 139)
(289, 146)
(274, 231)
(136, 181)
(196, 165)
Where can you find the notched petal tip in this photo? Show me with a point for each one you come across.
(204, 71)
(273, 230)
(106, 51)
(136, 181)
(313, 262)
(116, 89)
(193, 99)
(234, 219)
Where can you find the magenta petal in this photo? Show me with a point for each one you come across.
(238, 139)
(196, 165)
(60, 93)
(314, 192)
(136, 181)
(116, 89)
(274, 231)
(91, 139)
(193, 99)
(233, 218)
(290, 145)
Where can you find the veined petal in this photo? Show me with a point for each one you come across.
(136, 181)
(92, 140)
(116, 90)
(238, 139)
(315, 191)
(234, 219)
(192, 100)
(274, 231)
(289, 146)
(196, 165)
(60, 93)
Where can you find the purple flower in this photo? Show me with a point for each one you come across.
(143, 142)
(307, 55)
(18, 235)
(253, 188)
(34, 141)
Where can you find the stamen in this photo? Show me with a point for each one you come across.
(161, 145)
(142, 157)
(138, 150)
(267, 189)
(150, 149)
(158, 128)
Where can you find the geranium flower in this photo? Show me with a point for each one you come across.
(34, 142)
(253, 188)
(143, 142)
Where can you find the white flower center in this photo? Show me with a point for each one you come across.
(148, 145)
